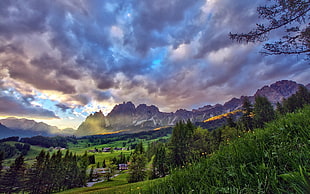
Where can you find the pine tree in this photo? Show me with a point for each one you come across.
(180, 143)
(280, 109)
(297, 100)
(263, 111)
(247, 117)
(104, 164)
(14, 179)
(159, 166)
(35, 175)
(91, 173)
(1, 160)
(230, 122)
(137, 171)
(83, 163)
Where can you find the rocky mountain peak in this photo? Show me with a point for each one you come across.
(144, 109)
(279, 90)
(285, 87)
(125, 108)
(204, 108)
(96, 115)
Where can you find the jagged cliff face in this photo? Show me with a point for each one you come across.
(94, 124)
(128, 117)
(278, 91)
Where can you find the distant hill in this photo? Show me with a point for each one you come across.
(6, 132)
(26, 128)
(128, 117)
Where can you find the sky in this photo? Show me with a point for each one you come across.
(62, 60)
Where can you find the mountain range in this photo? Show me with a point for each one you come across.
(127, 117)
(26, 128)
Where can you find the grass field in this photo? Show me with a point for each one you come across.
(117, 185)
(105, 185)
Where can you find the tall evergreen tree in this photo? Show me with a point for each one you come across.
(263, 111)
(14, 179)
(160, 163)
(104, 164)
(83, 163)
(280, 109)
(297, 100)
(35, 175)
(247, 117)
(230, 122)
(137, 171)
(180, 143)
(1, 161)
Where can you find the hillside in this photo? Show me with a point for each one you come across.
(275, 159)
(128, 117)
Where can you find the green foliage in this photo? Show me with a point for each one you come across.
(108, 175)
(1, 161)
(104, 164)
(55, 173)
(263, 111)
(8, 150)
(160, 162)
(105, 186)
(91, 159)
(201, 143)
(13, 138)
(23, 148)
(47, 142)
(137, 171)
(180, 143)
(300, 181)
(296, 101)
(246, 120)
(13, 180)
(275, 159)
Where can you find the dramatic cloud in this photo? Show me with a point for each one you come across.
(12, 107)
(87, 55)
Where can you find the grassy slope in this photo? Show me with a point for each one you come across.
(29, 158)
(270, 160)
(255, 163)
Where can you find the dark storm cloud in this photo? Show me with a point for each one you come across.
(63, 107)
(46, 64)
(82, 98)
(11, 48)
(129, 45)
(101, 96)
(38, 78)
(28, 99)
(19, 17)
(227, 16)
(9, 106)
(156, 20)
